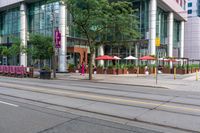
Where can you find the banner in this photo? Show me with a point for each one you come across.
(57, 38)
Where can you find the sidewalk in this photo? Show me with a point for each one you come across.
(165, 81)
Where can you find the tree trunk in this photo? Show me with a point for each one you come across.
(90, 63)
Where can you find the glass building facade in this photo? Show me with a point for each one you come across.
(40, 17)
(9, 25)
(39, 20)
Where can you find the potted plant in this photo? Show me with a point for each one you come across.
(181, 70)
(71, 68)
(100, 69)
(45, 73)
(124, 69)
(111, 70)
(119, 69)
(141, 69)
(132, 69)
(166, 69)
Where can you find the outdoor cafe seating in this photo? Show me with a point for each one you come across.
(16, 71)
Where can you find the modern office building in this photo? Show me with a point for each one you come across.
(161, 19)
(192, 30)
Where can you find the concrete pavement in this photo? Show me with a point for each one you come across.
(165, 81)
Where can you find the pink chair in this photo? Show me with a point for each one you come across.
(1, 69)
(6, 70)
(20, 71)
(12, 70)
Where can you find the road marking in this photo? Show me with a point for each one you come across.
(14, 105)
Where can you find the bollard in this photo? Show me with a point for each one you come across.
(174, 73)
(197, 76)
(137, 71)
(155, 74)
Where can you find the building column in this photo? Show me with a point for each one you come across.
(23, 31)
(136, 54)
(62, 26)
(170, 35)
(152, 26)
(100, 53)
(182, 39)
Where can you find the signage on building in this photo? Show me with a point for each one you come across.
(157, 42)
(57, 38)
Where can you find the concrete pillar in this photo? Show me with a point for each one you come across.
(62, 50)
(170, 35)
(101, 52)
(182, 39)
(23, 31)
(152, 26)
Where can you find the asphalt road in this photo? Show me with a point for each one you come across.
(17, 117)
(132, 107)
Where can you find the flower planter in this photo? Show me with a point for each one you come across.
(71, 70)
(100, 70)
(132, 71)
(166, 70)
(181, 71)
(141, 71)
(111, 71)
(124, 71)
(45, 74)
(119, 71)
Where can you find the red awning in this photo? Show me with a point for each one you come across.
(147, 58)
(105, 57)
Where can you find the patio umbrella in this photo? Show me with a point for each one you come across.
(116, 58)
(105, 57)
(147, 58)
(130, 58)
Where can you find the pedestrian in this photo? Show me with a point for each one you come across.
(146, 70)
(95, 69)
(83, 69)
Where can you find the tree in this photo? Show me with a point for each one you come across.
(40, 47)
(15, 49)
(103, 22)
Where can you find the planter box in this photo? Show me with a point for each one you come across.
(124, 71)
(71, 70)
(132, 71)
(100, 70)
(45, 74)
(119, 71)
(166, 70)
(141, 71)
(181, 71)
(111, 71)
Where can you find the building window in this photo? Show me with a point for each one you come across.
(190, 4)
(189, 11)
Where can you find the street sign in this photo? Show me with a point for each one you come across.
(157, 42)
(57, 38)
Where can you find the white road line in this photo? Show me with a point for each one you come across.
(14, 105)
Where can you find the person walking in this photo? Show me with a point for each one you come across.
(82, 69)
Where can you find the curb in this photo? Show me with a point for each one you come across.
(93, 81)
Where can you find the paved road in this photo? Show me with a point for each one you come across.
(151, 108)
(18, 117)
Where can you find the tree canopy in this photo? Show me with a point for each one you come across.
(103, 22)
(41, 47)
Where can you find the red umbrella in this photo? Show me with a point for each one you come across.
(147, 58)
(105, 57)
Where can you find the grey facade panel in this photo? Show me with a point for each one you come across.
(4, 3)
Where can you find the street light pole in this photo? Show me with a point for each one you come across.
(53, 43)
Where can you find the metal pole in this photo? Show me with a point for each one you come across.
(53, 43)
